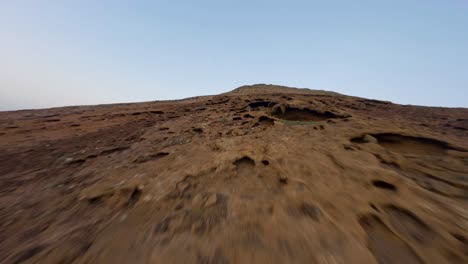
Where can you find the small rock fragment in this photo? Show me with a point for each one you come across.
(197, 200)
(212, 200)
(123, 217)
(369, 139)
(311, 211)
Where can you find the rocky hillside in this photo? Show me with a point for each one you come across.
(276, 89)
(263, 174)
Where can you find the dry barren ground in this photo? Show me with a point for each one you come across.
(259, 175)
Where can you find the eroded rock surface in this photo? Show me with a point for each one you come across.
(259, 175)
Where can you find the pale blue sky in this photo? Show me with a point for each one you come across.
(55, 53)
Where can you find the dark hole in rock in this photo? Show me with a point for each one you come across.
(244, 166)
(152, 157)
(460, 238)
(237, 118)
(384, 185)
(415, 145)
(265, 162)
(77, 162)
(266, 121)
(374, 207)
(248, 116)
(359, 140)
(297, 114)
(52, 120)
(134, 197)
(95, 200)
(375, 101)
(260, 104)
(459, 128)
(283, 180)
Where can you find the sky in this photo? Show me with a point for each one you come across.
(57, 53)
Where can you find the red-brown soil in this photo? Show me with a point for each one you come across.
(264, 174)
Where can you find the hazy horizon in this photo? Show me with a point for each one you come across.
(64, 53)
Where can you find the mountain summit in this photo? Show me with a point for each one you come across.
(272, 89)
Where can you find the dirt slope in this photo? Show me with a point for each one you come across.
(245, 177)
